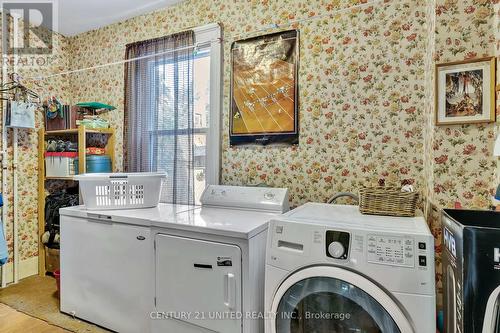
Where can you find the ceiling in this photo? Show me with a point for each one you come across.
(77, 16)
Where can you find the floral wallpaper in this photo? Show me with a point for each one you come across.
(366, 94)
(361, 89)
(366, 86)
(463, 169)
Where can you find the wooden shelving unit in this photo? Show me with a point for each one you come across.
(59, 178)
(81, 132)
(78, 130)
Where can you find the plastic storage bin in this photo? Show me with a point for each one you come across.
(51, 259)
(471, 271)
(60, 164)
(121, 190)
(96, 164)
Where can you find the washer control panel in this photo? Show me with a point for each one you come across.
(391, 250)
(337, 244)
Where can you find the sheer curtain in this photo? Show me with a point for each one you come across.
(159, 112)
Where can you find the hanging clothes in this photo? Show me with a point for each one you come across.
(4, 254)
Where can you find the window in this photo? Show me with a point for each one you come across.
(172, 108)
(163, 133)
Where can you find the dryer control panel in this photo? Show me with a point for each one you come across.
(391, 250)
(266, 199)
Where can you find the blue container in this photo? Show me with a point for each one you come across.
(96, 164)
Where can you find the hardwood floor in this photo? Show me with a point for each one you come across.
(12, 321)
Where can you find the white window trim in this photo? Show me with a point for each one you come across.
(212, 33)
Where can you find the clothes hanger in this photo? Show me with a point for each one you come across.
(15, 90)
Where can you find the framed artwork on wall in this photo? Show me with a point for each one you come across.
(264, 90)
(465, 92)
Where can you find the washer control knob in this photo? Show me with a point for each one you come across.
(269, 195)
(336, 250)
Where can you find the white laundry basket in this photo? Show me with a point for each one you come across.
(120, 190)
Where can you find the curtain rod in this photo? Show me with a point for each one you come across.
(209, 42)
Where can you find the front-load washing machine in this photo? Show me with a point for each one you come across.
(331, 269)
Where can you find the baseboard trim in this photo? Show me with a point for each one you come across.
(27, 268)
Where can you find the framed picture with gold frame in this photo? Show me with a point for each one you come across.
(264, 90)
(465, 92)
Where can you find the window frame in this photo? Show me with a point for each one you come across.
(211, 34)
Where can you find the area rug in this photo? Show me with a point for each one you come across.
(37, 297)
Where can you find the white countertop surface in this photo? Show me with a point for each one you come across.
(218, 221)
(350, 216)
(142, 216)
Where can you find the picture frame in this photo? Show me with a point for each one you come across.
(465, 92)
(264, 107)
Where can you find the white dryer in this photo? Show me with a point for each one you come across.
(210, 262)
(331, 269)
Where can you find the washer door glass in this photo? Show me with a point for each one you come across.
(329, 305)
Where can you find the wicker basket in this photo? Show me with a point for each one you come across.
(387, 201)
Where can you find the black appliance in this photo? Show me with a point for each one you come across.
(471, 271)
